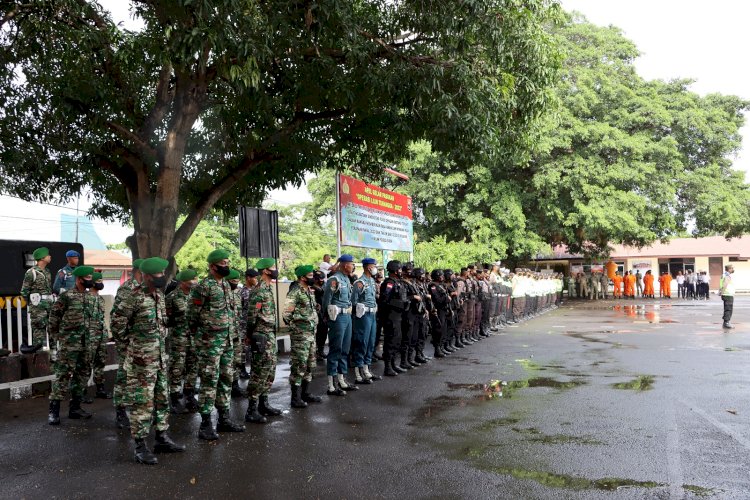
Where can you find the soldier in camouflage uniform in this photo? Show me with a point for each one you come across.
(183, 362)
(69, 323)
(301, 315)
(261, 319)
(121, 346)
(251, 283)
(211, 320)
(37, 292)
(98, 339)
(237, 341)
(142, 318)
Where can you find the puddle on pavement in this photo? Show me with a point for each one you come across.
(564, 481)
(700, 491)
(640, 383)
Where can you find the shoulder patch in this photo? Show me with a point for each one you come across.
(389, 285)
(259, 305)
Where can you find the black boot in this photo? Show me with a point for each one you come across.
(206, 430)
(419, 357)
(176, 403)
(121, 418)
(252, 414)
(333, 387)
(101, 392)
(307, 397)
(395, 366)
(191, 404)
(142, 454)
(54, 412)
(373, 376)
(75, 411)
(411, 358)
(164, 444)
(265, 409)
(389, 371)
(439, 352)
(297, 401)
(225, 423)
(404, 364)
(237, 390)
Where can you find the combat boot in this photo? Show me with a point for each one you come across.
(75, 411)
(206, 430)
(176, 404)
(191, 404)
(439, 352)
(164, 444)
(389, 371)
(86, 399)
(54, 412)
(225, 424)
(101, 392)
(307, 397)
(346, 385)
(297, 401)
(369, 375)
(121, 418)
(395, 366)
(142, 454)
(237, 390)
(333, 388)
(404, 364)
(252, 415)
(410, 358)
(265, 409)
(420, 358)
(359, 376)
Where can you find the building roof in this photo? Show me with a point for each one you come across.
(107, 259)
(688, 247)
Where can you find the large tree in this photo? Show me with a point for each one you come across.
(213, 102)
(619, 160)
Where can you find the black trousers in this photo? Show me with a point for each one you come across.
(728, 307)
(321, 334)
(392, 334)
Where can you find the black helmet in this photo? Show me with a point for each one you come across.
(436, 274)
(448, 273)
(418, 272)
(393, 266)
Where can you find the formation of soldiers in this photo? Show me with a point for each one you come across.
(183, 352)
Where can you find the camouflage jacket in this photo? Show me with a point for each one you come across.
(245, 293)
(97, 318)
(71, 317)
(300, 312)
(211, 306)
(176, 303)
(122, 294)
(261, 313)
(142, 319)
(237, 311)
(36, 280)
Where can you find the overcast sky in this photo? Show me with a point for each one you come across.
(704, 41)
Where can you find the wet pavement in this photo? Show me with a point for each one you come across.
(625, 399)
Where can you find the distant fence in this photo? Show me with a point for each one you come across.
(15, 324)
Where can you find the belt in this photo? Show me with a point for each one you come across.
(371, 309)
(348, 310)
(48, 297)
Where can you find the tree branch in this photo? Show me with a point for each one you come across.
(164, 97)
(143, 147)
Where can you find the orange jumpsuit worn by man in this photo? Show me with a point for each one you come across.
(648, 284)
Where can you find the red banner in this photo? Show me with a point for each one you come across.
(367, 195)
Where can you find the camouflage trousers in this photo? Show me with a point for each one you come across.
(263, 369)
(71, 371)
(39, 320)
(215, 357)
(303, 356)
(146, 394)
(98, 355)
(118, 395)
(237, 348)
(183, 360)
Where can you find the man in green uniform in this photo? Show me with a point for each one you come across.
(301, 315)
(234, 283)
(98, 339)
(261, 319)
(210, 317)
(69, 323)
(142, 318)
(37, 292)
(183, 363)
(121, 346)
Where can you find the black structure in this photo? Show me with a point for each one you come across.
(17, 256)
(259, 232)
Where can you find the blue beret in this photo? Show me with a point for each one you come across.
(72, 253)
(369, 261)
(346, 258)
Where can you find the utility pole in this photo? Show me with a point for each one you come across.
(78, 199)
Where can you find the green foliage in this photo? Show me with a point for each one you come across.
(215, 231)
(439, 253)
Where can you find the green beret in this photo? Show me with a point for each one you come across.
(303, 270)
(82, 271)
(234, 274)
(137, 263)
(186, 275)
(217, 255)
(265, 263)
(154, 265)
(41, 253)
(98, 276)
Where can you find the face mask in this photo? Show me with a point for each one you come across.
(274, 273)
(233, 286)
(222, 271)
(99, 286)
(159, 282)
(309, 281)
(88, 283)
